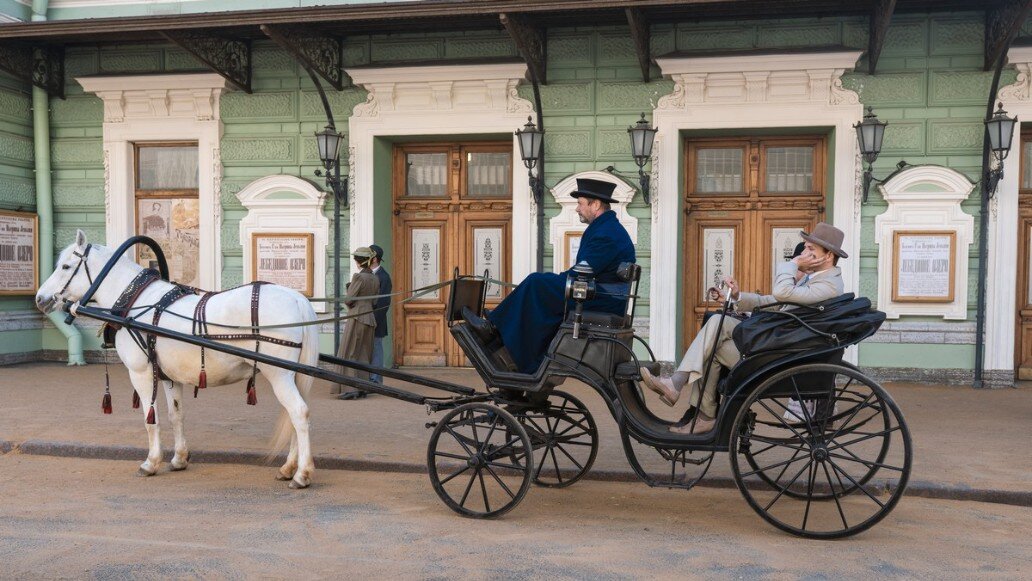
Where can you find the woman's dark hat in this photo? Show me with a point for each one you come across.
(827, 237)
(596, 189)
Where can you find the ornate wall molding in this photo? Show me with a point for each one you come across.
(747, 91)
(300, 213)
(438, 100)
(568, 221)
(925, 197)
(175, 107)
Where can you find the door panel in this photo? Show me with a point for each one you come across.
(453, 208)
(745, 211)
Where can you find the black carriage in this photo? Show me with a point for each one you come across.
(817, 448)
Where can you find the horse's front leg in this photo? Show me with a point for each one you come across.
(142, 383)
(174, 399)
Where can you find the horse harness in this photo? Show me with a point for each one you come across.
(147, 342)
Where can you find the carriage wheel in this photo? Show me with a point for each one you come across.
(566, 436)
(480, 460)
(814, 476)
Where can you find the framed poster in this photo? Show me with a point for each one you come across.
(174, 223)
(285, 259)
(923, 266)
(571, 246)
(487, 243)
(19, 253)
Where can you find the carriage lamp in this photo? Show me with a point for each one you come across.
(643, 136)
(1001, 131)
(531, 139)
(869, 134)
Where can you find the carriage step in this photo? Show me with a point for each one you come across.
(628, 371)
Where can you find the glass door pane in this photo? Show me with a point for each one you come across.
(426, 175)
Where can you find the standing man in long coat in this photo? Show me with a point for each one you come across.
(356, 343)
(529, 317)
(380, 307)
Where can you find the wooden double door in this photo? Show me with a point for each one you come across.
(1023, 319)
(746, 200)
(452, 209)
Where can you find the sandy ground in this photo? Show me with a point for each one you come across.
(962, 437)
(64, 518)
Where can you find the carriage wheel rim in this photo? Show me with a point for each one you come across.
(808, 471)
(567, 452)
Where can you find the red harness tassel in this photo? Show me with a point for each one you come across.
(150, 416)
(136, 400)
(252, 395)
(105, 403)
(202, 380)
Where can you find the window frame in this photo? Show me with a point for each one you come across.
(139, 193)
(754, 164)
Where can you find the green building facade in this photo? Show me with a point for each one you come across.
(805, 76)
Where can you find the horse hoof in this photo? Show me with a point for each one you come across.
(283, 478)
(297, 485)
(142, 472)
(174, 468)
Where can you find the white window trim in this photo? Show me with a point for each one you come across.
(746, 92)
(440, 100)
(181, 107)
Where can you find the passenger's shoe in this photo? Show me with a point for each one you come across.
(482, 328)
(661, 385)
(702, 425)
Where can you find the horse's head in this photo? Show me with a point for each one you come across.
(73, 273)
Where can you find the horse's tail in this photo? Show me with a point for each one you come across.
(309, 356)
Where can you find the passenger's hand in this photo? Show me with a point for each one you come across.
(733, 284)
(713, 293)
(808, 262)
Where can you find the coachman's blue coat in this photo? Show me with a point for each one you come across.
(530, 316)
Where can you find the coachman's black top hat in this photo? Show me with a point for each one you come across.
(597, 189)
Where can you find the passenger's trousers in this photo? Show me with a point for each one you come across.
(698, 353)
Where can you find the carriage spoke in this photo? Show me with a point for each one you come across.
(483, 490)
(782, 491)
(541, 464)
(809, 490)
(516, 467)
(867, 463)
(858, 440)
(555, 463)
(500, 483)
(782, 463)
(780, 419)
(853, 415)
(469, 487)
(804, 407)
(490, 433)
(448, 479)
(770, 447)
(785, 468)
(567, 454)
(855, 483)
(835, 496)
(459, 440)
(450, 455)
(774, 442)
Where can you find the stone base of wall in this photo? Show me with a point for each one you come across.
(960, 377)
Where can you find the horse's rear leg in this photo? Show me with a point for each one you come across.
(144, 388)
(174, 399)
(286, 472)
(286, 392)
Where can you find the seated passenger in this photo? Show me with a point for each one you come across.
(821, 280)
(527, 320)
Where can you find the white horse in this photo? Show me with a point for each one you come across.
(79, 262)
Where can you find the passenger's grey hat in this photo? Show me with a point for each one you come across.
(827, 237)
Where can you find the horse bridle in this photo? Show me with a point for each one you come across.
(82, 262)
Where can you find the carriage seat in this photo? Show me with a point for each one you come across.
(599, 319)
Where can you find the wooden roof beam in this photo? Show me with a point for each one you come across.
(1002, 23)
(531, 42)
(319, 53)
(881, 16)
(228, 57)
(641, 34)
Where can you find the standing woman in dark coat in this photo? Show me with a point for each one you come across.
(356, 343)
